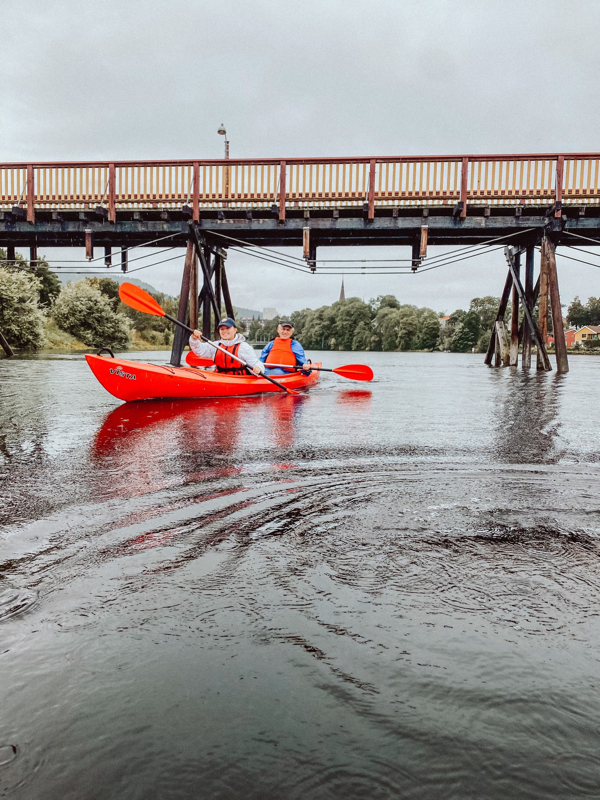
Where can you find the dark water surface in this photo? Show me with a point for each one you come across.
(385, 590)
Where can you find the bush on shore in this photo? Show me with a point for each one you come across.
(21, 318)
(88, 314)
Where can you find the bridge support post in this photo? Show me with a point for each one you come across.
(108, 256)
(543, 307)
(514, 318)
(560, 346)
(494, 349)
(510, 254)
(194, 291)
(208, 265)
(225, 287)
(529, 266)
(180, 336)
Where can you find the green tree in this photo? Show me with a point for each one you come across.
(256, 330)
(578, 314)
(86, 313)
(486, 309)
(298, 320)
(593, 306)
(21, 319)
(49, 285)
(318, 331)
(408, 327)
(109, 288)
(448, 331)
(466, 333)
(362, 336)
(348, 315)
(384, 301)
(386, 327)
(428, 329)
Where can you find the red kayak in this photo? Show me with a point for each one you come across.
(134, 380)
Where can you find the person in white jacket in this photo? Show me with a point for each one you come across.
(234, 343)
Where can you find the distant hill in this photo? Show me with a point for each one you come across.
(119, 278)
(64, 279)
(247, 312)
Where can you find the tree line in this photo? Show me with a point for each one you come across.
(32, 300)
(386, 324)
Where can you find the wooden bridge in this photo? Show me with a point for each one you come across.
(206, 206)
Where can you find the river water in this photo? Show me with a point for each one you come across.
(375, 590)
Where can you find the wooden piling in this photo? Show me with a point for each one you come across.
(181, 336)
(194, 290)
(225, 286)
(503, 349)
(218, 292)
(494, 348)
(535, 333)
(209, 297)
(543, 306)
(529, 266)
(514, 318)
(560, 346)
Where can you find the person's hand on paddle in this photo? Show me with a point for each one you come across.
(258, 368)
(197, 335)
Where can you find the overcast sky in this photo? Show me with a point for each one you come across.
(148, 79)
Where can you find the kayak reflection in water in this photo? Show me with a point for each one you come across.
(234, 343)
(284, 349)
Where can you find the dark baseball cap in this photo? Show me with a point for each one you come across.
(227, 323)
(287, 322)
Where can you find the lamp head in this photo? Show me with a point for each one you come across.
(222, 130)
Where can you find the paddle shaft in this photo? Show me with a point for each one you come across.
(302, 368)
(344, 372)
(235, 358)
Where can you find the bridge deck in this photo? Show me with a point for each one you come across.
(342, 201)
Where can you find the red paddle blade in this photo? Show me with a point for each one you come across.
(137, 298)
(195, 361)
(355, 372)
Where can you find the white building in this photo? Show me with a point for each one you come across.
(270, 313)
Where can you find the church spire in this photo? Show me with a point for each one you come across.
(342, 292)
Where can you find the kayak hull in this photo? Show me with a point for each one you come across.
(135, 380)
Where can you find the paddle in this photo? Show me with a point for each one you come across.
(354, 372)
(140, 300)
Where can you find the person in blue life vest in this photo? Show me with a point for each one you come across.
(284, 349)
(234, 343)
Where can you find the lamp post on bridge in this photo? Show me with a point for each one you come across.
(223, 132)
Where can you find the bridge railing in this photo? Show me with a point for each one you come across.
(303, 183)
